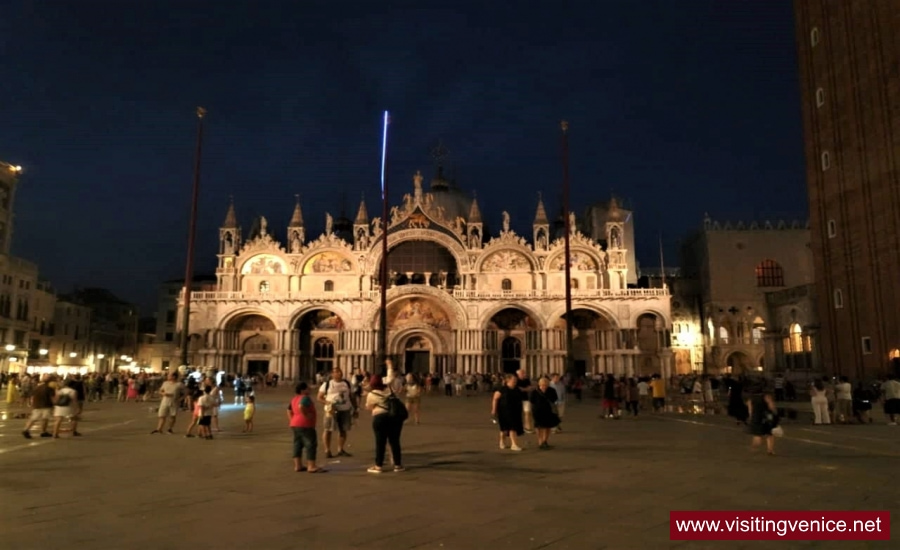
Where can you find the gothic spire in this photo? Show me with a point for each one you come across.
(297, 218)
(362, 215)
(474, 212)
(230, 217)
(540, 216)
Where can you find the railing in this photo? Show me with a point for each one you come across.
(459, 294)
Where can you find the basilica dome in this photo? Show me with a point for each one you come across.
(455, 202)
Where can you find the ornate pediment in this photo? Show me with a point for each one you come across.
(327, 241)
(508, 238)
(506, 260)
(262, 243)
(418, 211)
(577, 239)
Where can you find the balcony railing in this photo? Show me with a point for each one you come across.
(460, 294)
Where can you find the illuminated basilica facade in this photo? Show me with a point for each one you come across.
(459, 298)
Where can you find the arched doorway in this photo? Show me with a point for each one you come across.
(590, 332)
(254, 336)
(422, 263)
(511, 354)
(417, 355)
(739, 362)
(509, 328)
(257, 354)
(317, 333)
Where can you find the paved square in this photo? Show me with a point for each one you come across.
(607, 484)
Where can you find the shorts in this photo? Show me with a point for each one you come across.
(205, 420)
(41, 414)
(337, 421)
(305, 438)
(167, 409)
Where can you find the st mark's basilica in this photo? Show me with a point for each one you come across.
(459, 298)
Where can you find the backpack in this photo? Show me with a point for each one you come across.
(395, 408)
(64, 400)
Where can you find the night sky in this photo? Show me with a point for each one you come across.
(679, 107)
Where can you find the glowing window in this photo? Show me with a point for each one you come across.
(329, 286)
(506, 284)
(894, 354)
(838, 299)
(820, 97)
(826, 160)
(769, 273)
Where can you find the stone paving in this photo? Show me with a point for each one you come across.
(607, 484)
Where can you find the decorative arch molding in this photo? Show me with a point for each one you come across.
(485, 318)
(397, 237)
(500, 245)
(451, 306)
(398, 339)
(311, 253)
(246, 312)
(599, 310)
(295, 316)
(597, 255)
(667, 323)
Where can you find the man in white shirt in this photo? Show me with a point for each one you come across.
(843, 401)
(171, 393)
(891, 391)
(337, 395)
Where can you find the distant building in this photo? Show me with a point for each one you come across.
(71, 348)
(113, 325)
(460, 299)
(728, 272)
(850, 86)
(163, 352)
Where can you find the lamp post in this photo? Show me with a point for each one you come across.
(192, 234)
(567, 220)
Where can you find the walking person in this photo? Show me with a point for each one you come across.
(559, 386)
(632, 396)
(41, 408)
(387, 428)
(525, 386)
(891, 391)
(413, 396)
(763, 421)
(843, 402)
(64, 407)
(507, 412)
(543, 406)
(249, 413)
(170, 391)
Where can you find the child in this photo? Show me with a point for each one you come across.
(206, 405)
(249, 411)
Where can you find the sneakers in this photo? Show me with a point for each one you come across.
(502, 446)
(374, 470)
(26, 434)
(515, 448)
(399, 469)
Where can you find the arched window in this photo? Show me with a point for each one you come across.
(573, 284)
(820, 97)
(329, 286)
(323, 354)
(512, 348)
(769, 273)
(826, 160)
(264, 287)
(814, 36)
(506, 284)
(759, 328)
(795, 335)
(723, 335)
(838, 299)
(894, 354)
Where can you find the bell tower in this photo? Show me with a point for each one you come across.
(361, 227)
(615, 247)
(474, 226)
(295, 231)
(229, 246)
(541, 227)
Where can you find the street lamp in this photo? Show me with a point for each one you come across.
(10, 347)
(100, 356)
(73, 354)
(43, 352)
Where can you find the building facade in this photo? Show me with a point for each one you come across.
(722, 309)
(848, 56)
(459, 299)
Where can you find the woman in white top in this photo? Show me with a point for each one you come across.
(413, 396)
(386, 427)
(64, 404)
(819, 402)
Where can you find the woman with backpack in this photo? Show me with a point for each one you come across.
(388, 415)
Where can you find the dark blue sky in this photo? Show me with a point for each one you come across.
(681, 107)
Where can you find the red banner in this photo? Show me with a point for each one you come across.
(783, 525)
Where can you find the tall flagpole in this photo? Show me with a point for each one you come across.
(383, 273)
(662, 263)
(567, 219)
(192, 235)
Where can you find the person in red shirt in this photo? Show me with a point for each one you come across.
(301, 413)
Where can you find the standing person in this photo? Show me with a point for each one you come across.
(387, 428)
(644, 394)
(632, 396)
(543, 406)
(763, 419)
(170, 392)
(41, 408)
(448, 384)
(507, 411)
(737, 408)
(560, 388)
(891, 391)
(301, 413)
(843, 405)
(65, 405)
(658, 392)
(206, 403)
(249, 412)
(525, 386)
(413, 396)
(819, 401)
(337, 396)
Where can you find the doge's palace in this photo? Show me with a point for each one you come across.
(459, 298)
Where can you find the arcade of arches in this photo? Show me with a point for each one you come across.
(422, 338)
